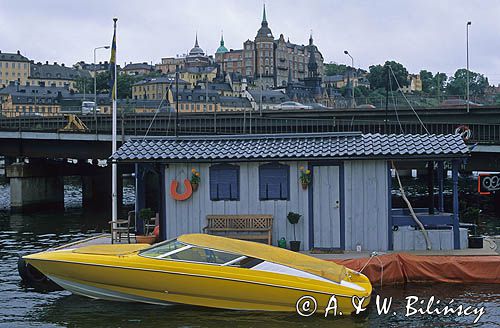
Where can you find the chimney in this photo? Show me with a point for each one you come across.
(62, 64)
(46, 62)
(18, 52)
(55, 63)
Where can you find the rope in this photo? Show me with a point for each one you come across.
(395, 107)
(157, 111)
(372, 255)
(412, 212)
(399, 87)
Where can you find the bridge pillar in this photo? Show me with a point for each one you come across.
(35, 187)
(96, 190)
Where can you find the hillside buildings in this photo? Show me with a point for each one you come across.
(268, 60)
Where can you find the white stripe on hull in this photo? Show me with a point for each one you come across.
(101, 293)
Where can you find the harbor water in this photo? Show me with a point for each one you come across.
(22, 306)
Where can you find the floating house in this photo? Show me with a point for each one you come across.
(345, 206)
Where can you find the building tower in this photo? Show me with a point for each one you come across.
(264, 53)
(196, 56)
(312, 65)
(313, 80)
(219, 57)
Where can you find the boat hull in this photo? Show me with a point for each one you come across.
(137, 279)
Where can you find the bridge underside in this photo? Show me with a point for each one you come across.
(55, 145)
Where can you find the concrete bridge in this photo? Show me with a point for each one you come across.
(45, 139)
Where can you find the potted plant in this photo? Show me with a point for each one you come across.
(146, 215)
(475, 240)
(294, 218)
(195, 179)
(305, 177)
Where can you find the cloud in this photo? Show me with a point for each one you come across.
(419, 34)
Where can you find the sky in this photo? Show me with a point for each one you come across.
(420, 34)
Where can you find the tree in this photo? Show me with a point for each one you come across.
(433, 85)
(458, 83)
(427, 81)
(102, 84)
(439, 83)
(124, 85)
(335, 69)
(382, 77)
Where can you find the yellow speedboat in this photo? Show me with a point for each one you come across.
(205, 270)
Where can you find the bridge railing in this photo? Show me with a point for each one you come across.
(166, 124)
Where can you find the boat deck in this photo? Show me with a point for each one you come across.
(101, 239)
(490, 248)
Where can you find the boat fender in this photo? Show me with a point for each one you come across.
(188, 190)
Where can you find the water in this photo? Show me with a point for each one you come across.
(21, 306)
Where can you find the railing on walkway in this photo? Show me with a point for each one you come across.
(165, 124)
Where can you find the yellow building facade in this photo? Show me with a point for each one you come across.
(13, 67)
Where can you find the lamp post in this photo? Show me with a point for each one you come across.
(352, 59)
(352, 68)
(467, 37)
(95, 85)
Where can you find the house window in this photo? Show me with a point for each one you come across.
(274, 181)
(224, 182)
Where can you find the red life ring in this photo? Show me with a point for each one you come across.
(188, 190)
(464, 132)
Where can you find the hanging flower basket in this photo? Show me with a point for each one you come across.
(195, 179)
(305, 177)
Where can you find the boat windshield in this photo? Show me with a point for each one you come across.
(177, 251)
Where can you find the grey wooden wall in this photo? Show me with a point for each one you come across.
(189, 216)
(366, 204)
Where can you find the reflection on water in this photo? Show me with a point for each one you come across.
(22, 306)
(77, 311)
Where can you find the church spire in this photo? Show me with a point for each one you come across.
(196, 40)
(264, 19)
(221, 38)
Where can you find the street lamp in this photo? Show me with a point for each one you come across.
(95, 85)
(352, 59)
(468, 97)
(352, 69)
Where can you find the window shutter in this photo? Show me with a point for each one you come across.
(274, 181)
(224, 182)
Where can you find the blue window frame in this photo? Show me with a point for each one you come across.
(224, 182)
(274, 181)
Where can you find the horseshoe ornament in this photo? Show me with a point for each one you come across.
(188, 190)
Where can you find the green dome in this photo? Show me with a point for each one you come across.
(221, 48)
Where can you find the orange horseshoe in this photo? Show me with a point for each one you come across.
(188, 190)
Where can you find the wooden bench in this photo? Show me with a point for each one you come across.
(248, 227)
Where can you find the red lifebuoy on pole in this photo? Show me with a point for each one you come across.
(464, 132)
(188, 190)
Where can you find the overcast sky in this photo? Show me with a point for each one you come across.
(419, 34)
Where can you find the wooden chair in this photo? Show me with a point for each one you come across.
(121, 227)
(248, 226)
